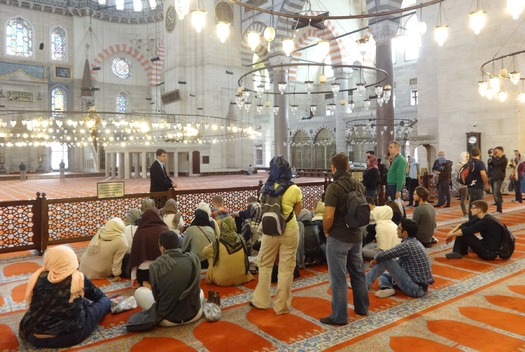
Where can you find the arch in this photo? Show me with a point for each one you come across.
(153, 69)
(58, 44)
(13, 46)
(324, 147)
(58, 98)
(301, 150)
(246, 52)
(122, 102)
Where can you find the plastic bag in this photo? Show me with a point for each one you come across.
(399, 203)
(121, 304)
(212, 312)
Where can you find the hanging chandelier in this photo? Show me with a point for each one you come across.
(499, 73)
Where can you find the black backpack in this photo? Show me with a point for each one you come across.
(357, 210)
(272, 219)
(312, 247)
(508, 244)
(465, 174)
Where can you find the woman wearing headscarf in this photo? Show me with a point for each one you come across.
(172, 216)
(145, 247)
(105, 252)
(386, 232)
(131, 221)
(462, 189)
(199, 235)
(279, 183)
(64, 305)
(371, 177)
(206, 207)
(228, 257)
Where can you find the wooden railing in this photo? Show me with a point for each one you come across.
(36, 224)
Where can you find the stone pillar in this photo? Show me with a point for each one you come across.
(143, 165)
(121, 173)
(107, 165)
(176, 164)
(281, 119)
(112, 164)
(341, 77)
(383, 33)
(127, 166)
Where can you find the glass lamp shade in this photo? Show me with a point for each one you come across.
(294, 107)
(309, 86)
(490, 94)
(335, 88)
(247, 106)
(276, 109)
(515, 77)
(366, 103)
(515, 7)
(198, 19)
(269, 35)
(313, 108)
(223, 31)
(253, 39)
(182, 7)
(240, 104)
(282, 87)
(441, 34)
(521, 98)
(323, 47)
(260, 89)
(387, 93)
(330, 107)
(495, 83)
(477, 20)
(422, 27)
(322, 78)
(378, 90)
(259, 108)
(238, 99)
(380, 101)
(482, 87)
(288, 46)
(502, 96)
(267, 104)
(351, 105)
(360, 88)
(246, 94)
(342, 101)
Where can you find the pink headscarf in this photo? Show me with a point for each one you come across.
(60, 262)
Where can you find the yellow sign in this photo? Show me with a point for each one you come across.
(107, 190)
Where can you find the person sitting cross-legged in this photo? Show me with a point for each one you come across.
(488, 227)
(411, 271)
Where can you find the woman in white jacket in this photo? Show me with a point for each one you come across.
(386, 232)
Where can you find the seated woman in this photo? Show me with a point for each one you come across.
(385, 230)
(199, 235)
(172, 216)
(228, 257)
(64, 305)
(206, 207)
(145, 247)
(131, 221)
(105, 252)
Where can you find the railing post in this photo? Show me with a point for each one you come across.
(40, 223)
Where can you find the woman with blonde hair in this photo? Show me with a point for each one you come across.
(105, 252)
(172, 217)
(64, 305)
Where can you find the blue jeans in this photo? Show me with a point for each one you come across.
(443, 188)
(395, 274)
(474, 194)
(345, 257)
(496, 191)
(391, 192)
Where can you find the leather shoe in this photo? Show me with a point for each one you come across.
(438, 205)
(328, 321)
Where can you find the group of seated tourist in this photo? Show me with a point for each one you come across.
(163, 256)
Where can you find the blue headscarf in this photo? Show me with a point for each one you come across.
(280, 173)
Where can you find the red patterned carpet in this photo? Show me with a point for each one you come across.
(473, 306)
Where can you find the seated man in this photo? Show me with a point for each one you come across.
(175, 291)
(218, 211)
(488, 227)
(410, 271)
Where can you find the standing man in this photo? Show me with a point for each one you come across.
(397, 171)
(490, 153)
(343, 246)
(407, 265)
(23, 171)
(62, 169)
(175, 294)
(412, 180)
(443, 183)
(159, 179)
(497, 175)
(480, 180)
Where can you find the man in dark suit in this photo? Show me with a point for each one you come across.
(159, 179)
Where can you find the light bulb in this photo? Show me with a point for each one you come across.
(253, 39)
(477, 20)
(441, 34)
(198, 19)
(288, 46)
(223, 31)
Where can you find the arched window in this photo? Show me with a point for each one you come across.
(58, 99)
(18, 38)
(122, 102)
(58, 44)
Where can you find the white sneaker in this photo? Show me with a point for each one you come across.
(384, 293)
(349, 284)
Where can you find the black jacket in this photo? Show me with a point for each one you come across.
(499, 166)
(159, 179)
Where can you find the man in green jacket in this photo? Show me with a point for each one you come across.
(397, 172)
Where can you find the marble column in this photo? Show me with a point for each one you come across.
(112, 164)
(127, 166)
(341, 111)
(383, 33)
(281, 118)
(143, 164)
(107, 165)
(121, 165)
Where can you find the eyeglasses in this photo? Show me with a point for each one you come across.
(474, 207)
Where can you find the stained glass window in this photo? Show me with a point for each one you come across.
(122, 102)
(19, 38)
(58, 44)
(58, 99)
(121, 67)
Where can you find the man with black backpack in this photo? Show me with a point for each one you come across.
(343, 245)
(490, 229)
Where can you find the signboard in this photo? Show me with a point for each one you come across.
(107, 190)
